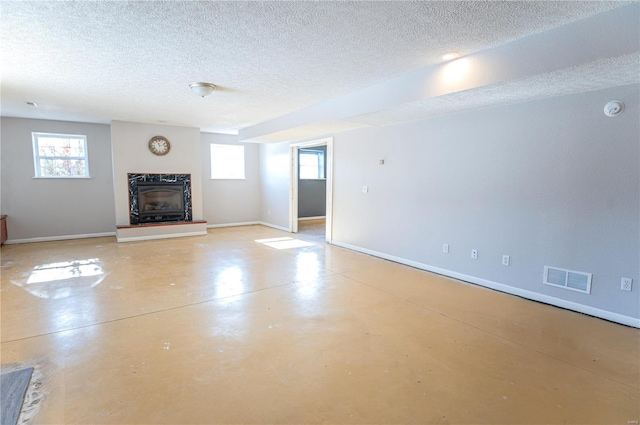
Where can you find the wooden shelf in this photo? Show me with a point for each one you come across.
(3, 227)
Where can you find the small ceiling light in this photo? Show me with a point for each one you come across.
(613, 108)
(202, 89)
(449, 56)
(34, 104)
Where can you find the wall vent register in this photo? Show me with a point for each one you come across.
(568, 279)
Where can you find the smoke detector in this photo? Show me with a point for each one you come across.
(613, 108)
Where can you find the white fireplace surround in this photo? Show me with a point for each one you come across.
(129, 143)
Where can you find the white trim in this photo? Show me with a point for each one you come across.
(274, 226)
(246, 223)
(294, 151)
(63, 177)
(569, 305)
(36, 135)
(329, 176)
(59, 238)
(230, 153)
(165, 236)
(293, 186)
(311, 218)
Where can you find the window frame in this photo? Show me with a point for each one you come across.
(227, 146)
(36, 135)
(321, 163)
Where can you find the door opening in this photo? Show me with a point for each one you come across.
(311, 187)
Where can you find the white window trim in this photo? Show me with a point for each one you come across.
(320, 167)
(244, 162)
(37, 157)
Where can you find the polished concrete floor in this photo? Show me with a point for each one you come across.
(245, 325)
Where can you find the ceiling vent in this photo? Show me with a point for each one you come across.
(613, 108)
(568, 279)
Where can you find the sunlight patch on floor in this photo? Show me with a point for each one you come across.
(284, 243)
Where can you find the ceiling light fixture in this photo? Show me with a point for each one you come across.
(449, 56)
(202, 89)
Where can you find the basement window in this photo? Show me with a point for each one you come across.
(227, 162)
(60, 155)
(311, 164)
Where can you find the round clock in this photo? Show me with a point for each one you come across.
(159, 145)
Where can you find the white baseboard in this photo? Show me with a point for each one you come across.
(569, 305)
(312, 218)
(246, 223)
(59, 238)
(286, 229)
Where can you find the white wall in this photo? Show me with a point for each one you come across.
(275, 177)
(49, 208)
(231, 201)
(131, 155)
(551, 182)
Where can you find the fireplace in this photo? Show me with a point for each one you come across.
(158, 198)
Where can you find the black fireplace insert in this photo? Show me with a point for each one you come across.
(157, 198)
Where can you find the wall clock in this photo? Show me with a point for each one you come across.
(159, 145)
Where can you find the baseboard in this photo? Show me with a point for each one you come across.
(312, 218)
(59, 238)
(285, 229)
(534, 296)
(246, 223)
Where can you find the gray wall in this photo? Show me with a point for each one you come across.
(312, 194)
(231, 201)
(552, 182)
(40, 208)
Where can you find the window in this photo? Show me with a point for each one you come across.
(227, 162)
(311, 164)
(60, 155)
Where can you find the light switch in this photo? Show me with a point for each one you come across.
(365, 189)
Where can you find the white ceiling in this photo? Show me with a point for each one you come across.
(133, 61)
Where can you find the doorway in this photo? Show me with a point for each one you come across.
(311, 178)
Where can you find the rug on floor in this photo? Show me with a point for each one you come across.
(13, 386)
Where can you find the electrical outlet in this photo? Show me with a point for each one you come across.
(625, 284)
(505, 260)
(445, 248)
(474, 254)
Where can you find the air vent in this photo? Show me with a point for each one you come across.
(568, 279)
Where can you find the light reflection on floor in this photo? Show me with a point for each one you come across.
(62, 279)
(307, 273)
(284, 243)
(229, 283)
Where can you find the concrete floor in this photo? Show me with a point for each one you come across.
(224, 329)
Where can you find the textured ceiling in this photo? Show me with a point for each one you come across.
(133, 61)
(589, 77)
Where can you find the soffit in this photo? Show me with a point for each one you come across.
(132, 61)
